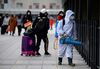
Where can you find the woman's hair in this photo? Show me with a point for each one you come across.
(6, 15)
(12, 15)
(60, 15)
(60, 12)
(19, 16)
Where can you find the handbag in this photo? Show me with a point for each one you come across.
(27, 24)
(70, 40)
(8, 28)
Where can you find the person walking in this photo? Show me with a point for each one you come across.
(66, 27)
(19, 24)
(12, 23)
(51, 21)
(60, 16)
(5, 24)
(1, 19)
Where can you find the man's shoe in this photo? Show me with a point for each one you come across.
(72, 64)
(38, 54)
(46, 53)
(12, 34)
(59, 63)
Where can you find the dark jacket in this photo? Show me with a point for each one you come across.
(45, 30)
(27, 17)
(1, 20)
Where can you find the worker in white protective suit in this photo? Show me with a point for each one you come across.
(66, 27)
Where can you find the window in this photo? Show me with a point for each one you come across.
(2, 6)
(30, 6)
(58, 6)
(52, 5)
(5, 1)
(19, 5)
(36, 5)
(43, 6)
(0, 1)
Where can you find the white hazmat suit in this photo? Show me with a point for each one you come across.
(69, 30)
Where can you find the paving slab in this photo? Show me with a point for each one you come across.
(10, 58)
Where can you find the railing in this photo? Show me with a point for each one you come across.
(88, 33)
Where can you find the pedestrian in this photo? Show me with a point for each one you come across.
(41, 26)
(19, 24)
(29, 30)
(66, 28)
(27, 17)
(1, 19)
(51, 22)
(60, 16)
(12, 23)
(5, 24)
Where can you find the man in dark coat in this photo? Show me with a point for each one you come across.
(42, 33)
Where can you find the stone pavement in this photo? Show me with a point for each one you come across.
(10, 49)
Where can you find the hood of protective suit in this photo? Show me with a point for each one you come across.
(67, 16)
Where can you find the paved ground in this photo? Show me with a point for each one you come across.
(10, 49)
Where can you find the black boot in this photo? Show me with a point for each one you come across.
(47, 53)
(38, 54)
(70, 62)
(60, 61)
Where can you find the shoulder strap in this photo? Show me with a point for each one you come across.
(63, 23)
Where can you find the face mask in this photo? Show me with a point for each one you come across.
(72, 17)
(28, 13)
